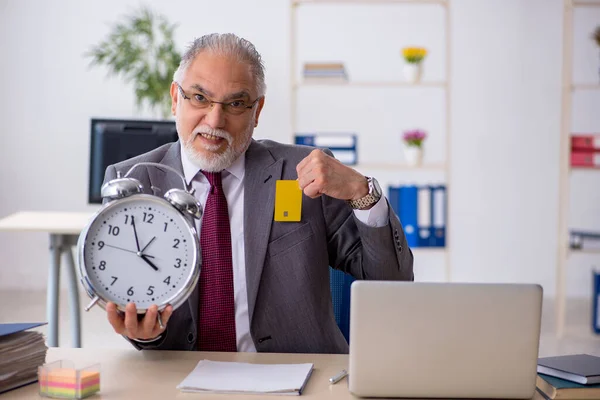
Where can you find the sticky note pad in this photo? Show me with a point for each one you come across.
(60, 380)
(288, 201)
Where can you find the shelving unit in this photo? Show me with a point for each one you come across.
(568, 88)
(373, 84)
(296, 86)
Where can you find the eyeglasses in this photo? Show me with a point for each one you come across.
(234, 107)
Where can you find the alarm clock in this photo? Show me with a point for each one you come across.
(141, 248)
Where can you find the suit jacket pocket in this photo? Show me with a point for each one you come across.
(289, 240)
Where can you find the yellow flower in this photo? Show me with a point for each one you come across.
(414, 54)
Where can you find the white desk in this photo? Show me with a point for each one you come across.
(148, 375)
(64, 229)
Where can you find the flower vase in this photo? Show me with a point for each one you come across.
(413, 72)
(414, 155)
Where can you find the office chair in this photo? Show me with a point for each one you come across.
(339, 283)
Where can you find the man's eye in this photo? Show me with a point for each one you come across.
(238, 104)
(200, 98)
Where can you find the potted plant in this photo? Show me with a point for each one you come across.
(413, 69)
(413, 146)
(596, 37)
(140, 48)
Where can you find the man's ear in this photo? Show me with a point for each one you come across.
(259, 107)
(174, 97)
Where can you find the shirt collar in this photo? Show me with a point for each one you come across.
(190, 170)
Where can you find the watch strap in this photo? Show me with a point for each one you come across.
(365, 201)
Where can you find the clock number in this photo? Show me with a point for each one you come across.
(127, 220)
(148, 218)
(100, 245)
(102, 265)
(166, 224)
(114, 280)
(113, 230)
(176, 245)
(150, 291)
(168, 280)
(130, 291)
(178, 265)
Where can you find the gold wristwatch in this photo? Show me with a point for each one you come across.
(371, 198)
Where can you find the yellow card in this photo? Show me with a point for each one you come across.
(288, 201)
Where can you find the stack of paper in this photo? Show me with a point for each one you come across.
(21, 353)
(234, 377)
(320, 72)
(59, 380)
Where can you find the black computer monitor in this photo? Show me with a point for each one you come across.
(114, 140)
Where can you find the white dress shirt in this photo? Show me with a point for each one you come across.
(233, 187)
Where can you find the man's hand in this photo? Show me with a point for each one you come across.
(128, 325)
(321, 174)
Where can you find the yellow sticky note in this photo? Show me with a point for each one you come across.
(288, 201)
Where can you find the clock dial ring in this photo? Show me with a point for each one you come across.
(155, 246)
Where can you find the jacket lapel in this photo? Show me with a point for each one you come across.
(261, 173)
(163, 178)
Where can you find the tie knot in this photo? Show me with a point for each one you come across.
(214, 178)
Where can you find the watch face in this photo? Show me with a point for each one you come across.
(139, 249)
(376, 188)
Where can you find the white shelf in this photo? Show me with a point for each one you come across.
(566, 170)
(297, 82)
(401, 166)
(375, 84)
(584, 3)
(585, 86)
(584, 169)
(434, 250)
(583, 251)
(369, 2)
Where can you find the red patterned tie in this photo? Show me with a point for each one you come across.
(216, 330)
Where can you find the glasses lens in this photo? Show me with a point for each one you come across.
(235, 108)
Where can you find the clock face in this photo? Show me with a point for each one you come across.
(140, 249)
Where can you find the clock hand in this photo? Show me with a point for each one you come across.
(137, 242)
(129, 251)
(150, 263)
(146, 246)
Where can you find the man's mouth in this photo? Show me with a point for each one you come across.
(211, 137)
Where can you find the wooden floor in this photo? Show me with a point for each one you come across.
(20, 306)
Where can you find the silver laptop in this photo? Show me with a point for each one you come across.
(465, 340)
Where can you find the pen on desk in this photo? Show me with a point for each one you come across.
(335, 379)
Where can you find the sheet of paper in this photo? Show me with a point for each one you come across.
(235, 377)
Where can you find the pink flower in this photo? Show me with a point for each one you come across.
(414, 137)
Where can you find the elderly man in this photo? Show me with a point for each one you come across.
(264, 284)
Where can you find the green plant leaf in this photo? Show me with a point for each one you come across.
(140, 49)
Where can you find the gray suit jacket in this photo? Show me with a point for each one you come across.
(287, 263)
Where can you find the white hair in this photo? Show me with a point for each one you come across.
(226, 44)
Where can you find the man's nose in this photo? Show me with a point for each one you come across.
(215, 117)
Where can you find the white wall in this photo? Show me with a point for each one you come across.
(505, 75)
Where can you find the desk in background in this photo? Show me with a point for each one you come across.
(133, 374)
(64, 229)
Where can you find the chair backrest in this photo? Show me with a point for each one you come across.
(340, 283)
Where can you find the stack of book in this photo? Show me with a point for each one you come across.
(343, 145)
(324, 73)
(422, 211)
(21, 353)
(584, 240)
(575, 376)
(585, 150)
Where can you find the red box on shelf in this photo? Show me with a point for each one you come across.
(585, 142)
(588, 159)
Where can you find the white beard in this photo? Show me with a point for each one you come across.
(216, 162)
